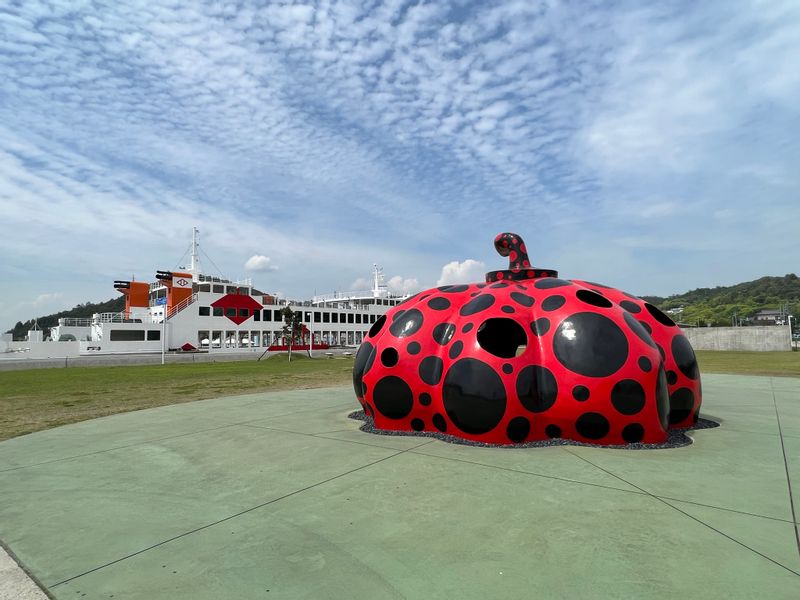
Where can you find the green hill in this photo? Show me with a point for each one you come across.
(20, 330)
(718, 306)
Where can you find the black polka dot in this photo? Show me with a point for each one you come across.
(593, 298)
(480, 285)
(474, 396)
(662, 398)
(518, 429)
(467, 327)
(398, 314)
(443, 333)
(520, 287)
(439, 303)
(552, 431)
(393, 398)
(600, 285)
(645, 364)
(497, 286)
(631, 307)
(476, 305)
(633, 433)
(377, 326)
(628, 396)
(537, 388)
(580, 393)
(389, 357)
(590, 344)
(439, 422)
(522, 299)
(658, 315)
(407, 324)
(430, 369)
(593, 426)
(684, 356)
(453, 289)
(681, 403)
(547, 283)
(508, 369)
(646, 327)
(553, 303)
(455, 349)
(473, 294)
(362, 363)
(425, 399)
(413, 348)
(672, 377)
(417, 424)
(540, 326)
(636, 327)
(508, 309)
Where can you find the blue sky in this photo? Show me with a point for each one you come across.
(655, 148)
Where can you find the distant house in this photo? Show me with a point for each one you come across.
(769, 316)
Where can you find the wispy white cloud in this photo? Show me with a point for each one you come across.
(333, 134)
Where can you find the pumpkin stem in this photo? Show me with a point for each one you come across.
(512, 246)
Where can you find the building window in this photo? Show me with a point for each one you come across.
(358, 318)
(372, 318)
(351, 318)
(244, 312)
(256, 315)
(342, 318)
(277, 315)
(217, 311)
(267, 315)
(153, 335)
(317, 317)
(335, 317)
(205, 311)
(326, 317)
(230, 312)
(127, 335)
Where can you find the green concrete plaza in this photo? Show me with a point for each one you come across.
(279, 495)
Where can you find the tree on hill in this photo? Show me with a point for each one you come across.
(81, 311)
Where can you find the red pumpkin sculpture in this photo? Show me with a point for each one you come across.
(527, 356)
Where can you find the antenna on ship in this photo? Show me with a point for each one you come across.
(378, 286)
(194, 265)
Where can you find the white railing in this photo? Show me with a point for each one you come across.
(181, 305)
(119, 317)
(74, 322)
(342, 296)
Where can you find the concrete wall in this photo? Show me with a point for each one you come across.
(760, 338)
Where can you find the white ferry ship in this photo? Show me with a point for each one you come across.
(190, 311)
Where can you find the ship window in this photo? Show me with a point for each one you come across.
(153, 335)
(326, 317)
(218, 289)
(372, 318)
(230, 312)
(204, 311)
(317, 317)
(335, 317)
(204, 287)
(343, 318)
(268, 315)
(231, 289)
(244, 312)
(351, 318)
(217, 311)
(127, 335)
(277, 315)
(358, 318)
(308, 317)
(299, 314)
(256, 315)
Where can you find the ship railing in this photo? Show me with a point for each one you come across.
(342, 296)
(181, 305)
(74, 322)
(121, 317)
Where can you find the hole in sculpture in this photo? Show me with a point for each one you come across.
(502, 337)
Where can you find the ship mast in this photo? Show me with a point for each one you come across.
(194, 265)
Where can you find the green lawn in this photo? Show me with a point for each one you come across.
(44, 398)
(37, 399)
(779, 364)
